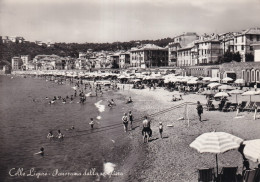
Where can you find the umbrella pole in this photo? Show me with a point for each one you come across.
(217, 163)
(236, 97)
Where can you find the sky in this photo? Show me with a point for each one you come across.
(103, 21)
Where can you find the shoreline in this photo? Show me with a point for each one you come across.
(171, 157)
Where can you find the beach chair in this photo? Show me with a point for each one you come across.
(243, 105)
(226, 107)
(249, 176)
(249, 107)
(206, 175)
(228, 174)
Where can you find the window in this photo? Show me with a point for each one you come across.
(242, 38)
(235, 47)
(253, 75)
(251, 37)
(258, 37)
(205, 51)
(242, 47)
(236, 40)
(251, 48)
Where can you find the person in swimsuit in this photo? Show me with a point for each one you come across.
(41, 152)
(50, 135)
(125, 122)
(146, 126)
(60, 135)
(160, 129)
(130, 115)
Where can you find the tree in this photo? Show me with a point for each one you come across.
(237, 57)
(249, 57)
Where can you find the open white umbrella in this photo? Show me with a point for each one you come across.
(250, 93)
(192, 82)
(221, 94)
(227, 79)
(213, 85)
(252, 150)
(215, 79)
(206, 78)
(236, 92)
(216, 142)
(226, 87)
(240, 81)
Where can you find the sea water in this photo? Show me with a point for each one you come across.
(26, 117)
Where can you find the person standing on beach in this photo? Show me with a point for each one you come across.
(160, 129)
(92, 123)
(199, 110)
(130, 119)
(125, 122)
(147, 126)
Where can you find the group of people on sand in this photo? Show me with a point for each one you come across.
(126, 119)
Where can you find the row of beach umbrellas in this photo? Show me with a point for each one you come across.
(221, 142)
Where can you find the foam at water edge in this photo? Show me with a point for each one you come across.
(99, 117)
(101, 108)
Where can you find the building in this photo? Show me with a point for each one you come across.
(17, 63)
(243, 42)
(124, 60)
(186, 56)
(172, 51)
(208, 50)
(148, 56)
(256, 48)
(114, 60)
(180, 41)
(26, 59)
(227, 42)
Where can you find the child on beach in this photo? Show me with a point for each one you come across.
(92, 123)
(160, 129)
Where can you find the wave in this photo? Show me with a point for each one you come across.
(101, 108)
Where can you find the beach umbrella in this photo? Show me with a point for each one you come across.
(250, 93)
(240, 81)
(226, 87)
(208, 92)
(227, 79)
(215, 79)
(221, 94)
(216, 142)
(236, 92)
(214, 85)
(252, 150)
(206, 78)
(192, 82)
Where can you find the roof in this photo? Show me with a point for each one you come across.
(189, 46)
(255, 31)
(148, 47)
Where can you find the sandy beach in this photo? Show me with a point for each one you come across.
(171, 158)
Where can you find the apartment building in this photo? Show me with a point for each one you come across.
(180, 41)
(148, 56)
(17, 63)
(124, 60)
(243, 42)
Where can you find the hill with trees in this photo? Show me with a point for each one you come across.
(9, 50)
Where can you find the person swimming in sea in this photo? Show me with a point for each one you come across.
(50, 135)
(41, 152)
(60, 135)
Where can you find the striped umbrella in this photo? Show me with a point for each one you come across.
(216, 142)
(252, 150)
